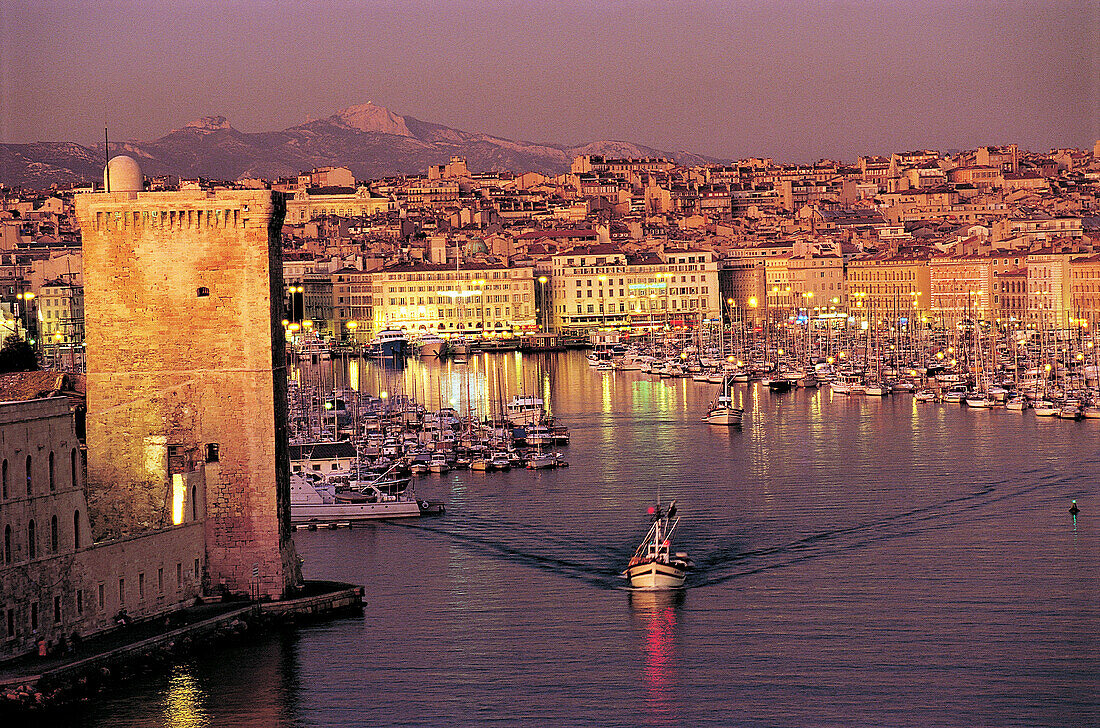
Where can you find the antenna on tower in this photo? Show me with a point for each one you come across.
(107, 156)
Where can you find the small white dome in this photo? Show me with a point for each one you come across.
(125, 175)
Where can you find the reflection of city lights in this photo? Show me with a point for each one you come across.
(183, 701)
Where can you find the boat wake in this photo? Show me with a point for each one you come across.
(520, 543)
(729, 562)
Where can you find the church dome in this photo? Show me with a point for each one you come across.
(125, 175)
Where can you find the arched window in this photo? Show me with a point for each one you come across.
(7, 544)
(28, 475)
(76, 529)
(32, 548)
(53, 534)
(53, 481)
(4, 475)
(74, 480)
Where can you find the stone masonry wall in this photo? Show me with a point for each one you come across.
(186, 365)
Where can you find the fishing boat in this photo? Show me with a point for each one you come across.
(653, 565)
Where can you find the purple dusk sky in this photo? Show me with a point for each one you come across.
(794, 80)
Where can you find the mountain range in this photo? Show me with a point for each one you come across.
(370, 140)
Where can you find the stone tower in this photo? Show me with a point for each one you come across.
(186, 370)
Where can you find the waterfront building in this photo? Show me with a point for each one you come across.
(961, 288)
(55, 580)
(817, 284)
(480, 299)
(893, 285)
(186, 374)
(602, 285)
(1010, 296)
(742, 284)
(1085, 290)
(1049, 289)
(962, 285)
(352, 303)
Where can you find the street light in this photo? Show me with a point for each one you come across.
(542, 310)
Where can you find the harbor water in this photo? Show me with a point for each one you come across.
(859, 562)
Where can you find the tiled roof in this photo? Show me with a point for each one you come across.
(22, 386)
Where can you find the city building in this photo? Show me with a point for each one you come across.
(56, 579)
(1085, 290)
(601, 285)
(892, 285)
(478, 299)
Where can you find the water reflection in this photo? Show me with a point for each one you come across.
(184, 699)
(656, 614)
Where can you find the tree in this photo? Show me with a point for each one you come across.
(17, 355)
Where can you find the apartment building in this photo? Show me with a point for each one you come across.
(488, 299)
(601, 285)
(897, 285)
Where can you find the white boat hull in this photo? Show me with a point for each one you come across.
(655, 575)
(303, 513)
(430, 349)
(724, 416)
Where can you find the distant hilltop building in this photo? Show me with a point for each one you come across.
(598, 163)
(186, 371)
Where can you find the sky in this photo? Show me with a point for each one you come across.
(793, 80)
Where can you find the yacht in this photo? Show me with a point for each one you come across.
(389, 344)
(430, 346)
(525, 411)
(314, 501)
(653, 565)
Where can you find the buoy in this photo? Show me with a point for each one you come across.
(1073, 509)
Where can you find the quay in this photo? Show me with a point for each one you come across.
(33, 682)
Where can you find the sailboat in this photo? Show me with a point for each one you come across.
(722, 411)
(653, 565)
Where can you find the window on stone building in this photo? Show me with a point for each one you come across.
(211, 452)
(202, 292)
(160, 580)
(196, 568)
(7, 544)
(141, 585)
(32, 538)
(179, 576)
(76, 529)
(53, 534)
(53, 481)
(175, 459)
(79, 601)
(28, 475)
(100, 596)
(11, 623)
(4, 477)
